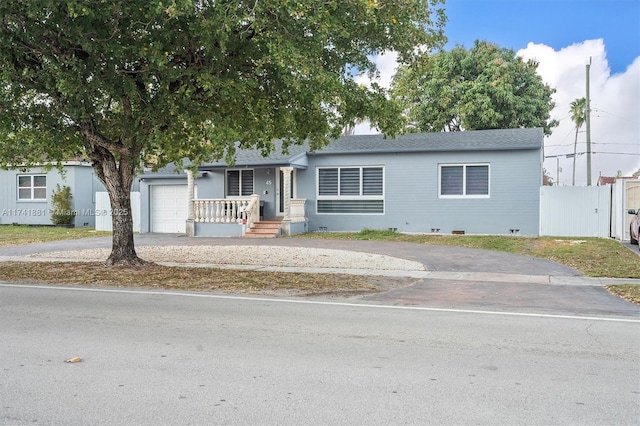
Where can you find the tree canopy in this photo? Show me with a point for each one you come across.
(485, 87)
(123, 82)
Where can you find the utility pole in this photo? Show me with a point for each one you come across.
(588, 122)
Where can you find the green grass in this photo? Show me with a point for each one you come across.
(11, 235)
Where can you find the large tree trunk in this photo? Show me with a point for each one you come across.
(117, 177)
(123, 250)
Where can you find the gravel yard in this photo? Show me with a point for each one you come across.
(252, 255)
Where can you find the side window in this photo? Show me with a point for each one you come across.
(464, 180)
(32, 187)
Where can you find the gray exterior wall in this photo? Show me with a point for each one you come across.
(218, 230)
(411, 192)
(79, 178)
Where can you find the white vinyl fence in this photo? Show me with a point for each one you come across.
(103, 211)
(575, 211)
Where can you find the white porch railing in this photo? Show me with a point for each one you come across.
(227, 210)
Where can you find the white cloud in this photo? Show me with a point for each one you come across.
(615, 105)
(387, 63)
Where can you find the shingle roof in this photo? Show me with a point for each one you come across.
(253, 157)
(474, 140)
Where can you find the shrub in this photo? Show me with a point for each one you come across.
(62, 211)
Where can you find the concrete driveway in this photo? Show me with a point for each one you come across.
(456, 277)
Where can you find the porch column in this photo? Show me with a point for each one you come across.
(286, 199)
(190, 226)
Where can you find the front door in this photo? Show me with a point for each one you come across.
(280, 183)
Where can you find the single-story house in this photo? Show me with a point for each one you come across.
(472, 182)
(26, 195)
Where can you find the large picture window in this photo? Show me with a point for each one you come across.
(239, 183)
(32, 187)
(464, 180)
(351, 190)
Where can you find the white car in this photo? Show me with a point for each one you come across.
(634, 227)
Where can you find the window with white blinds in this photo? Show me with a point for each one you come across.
(464, 180)
(351, 190)
(239, 183)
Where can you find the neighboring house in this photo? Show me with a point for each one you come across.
(610, 180)
(606, 180)
(473, 182)
(26, 196)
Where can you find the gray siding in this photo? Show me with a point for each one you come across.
(79, 178)
(411, 193)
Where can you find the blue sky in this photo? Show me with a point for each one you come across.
(555, 23)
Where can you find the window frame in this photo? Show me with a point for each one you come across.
(240, 195)
(350, 197)
(464, 180)
(32, 188)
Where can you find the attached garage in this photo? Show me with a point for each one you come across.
(168, 208)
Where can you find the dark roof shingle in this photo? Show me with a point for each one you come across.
(474, 140)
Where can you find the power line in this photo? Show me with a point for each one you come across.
(615, 153)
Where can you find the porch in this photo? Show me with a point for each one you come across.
(243, 216)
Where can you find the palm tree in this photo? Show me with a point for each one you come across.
(578, 112)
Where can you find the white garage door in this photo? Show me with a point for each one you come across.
(169, 208)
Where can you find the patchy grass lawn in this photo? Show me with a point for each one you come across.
(191, 279)
(165, 277)
(630, 292)
(11, 235)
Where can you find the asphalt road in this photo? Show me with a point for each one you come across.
(153, 358)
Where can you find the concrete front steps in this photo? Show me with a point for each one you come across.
(264, 229)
